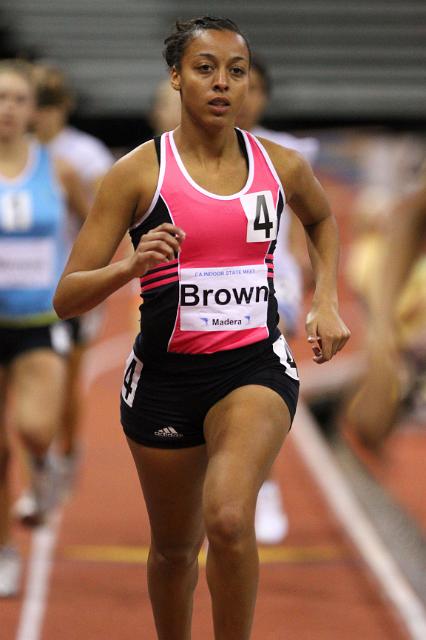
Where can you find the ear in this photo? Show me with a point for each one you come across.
(175, 78)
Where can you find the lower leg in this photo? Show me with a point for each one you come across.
(172, 483)
(4, 466)
(4, 495)
(10, 562)
(232, 576)
(70, 420)
(172, 579)
(244, 432)
(67, 438)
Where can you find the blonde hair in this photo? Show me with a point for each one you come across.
(21, 68)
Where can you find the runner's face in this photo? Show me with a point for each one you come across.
(16, 105)
(213, 77)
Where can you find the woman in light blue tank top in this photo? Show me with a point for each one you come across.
(33, 195)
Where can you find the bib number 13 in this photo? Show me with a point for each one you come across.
(261, 216)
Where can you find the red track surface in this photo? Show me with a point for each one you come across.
(314, 587)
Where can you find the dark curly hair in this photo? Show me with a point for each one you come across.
(185, 30)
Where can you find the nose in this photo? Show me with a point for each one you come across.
(221, 80)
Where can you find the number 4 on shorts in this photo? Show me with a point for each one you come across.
(131, 378)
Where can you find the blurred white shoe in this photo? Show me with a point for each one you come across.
(66, 469)
(43, 494)
(271, 522)
(10, 571)
(26, 509)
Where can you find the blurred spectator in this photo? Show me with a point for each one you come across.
(91, 159)
(165, 109)
(396, 304)
(34, 191)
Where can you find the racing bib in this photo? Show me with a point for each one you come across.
(223, 298)
(262, 222)
(26, 263)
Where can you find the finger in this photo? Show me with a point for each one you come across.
(338, 342)
(319, 357)
(343, 340)
(327, 347)
(164, 237)
(315, 343)
(317, 352)
(172, 229)
(162, 240)
(150, 259)
(334, 345)
(160, 247)
(345, 337)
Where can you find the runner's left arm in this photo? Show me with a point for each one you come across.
(325, 329)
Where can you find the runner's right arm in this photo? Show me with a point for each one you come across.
(125, 193)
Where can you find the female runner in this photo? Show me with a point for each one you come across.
(210, 387)
(34, 191)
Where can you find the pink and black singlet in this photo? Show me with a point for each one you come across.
(218, 294)
(209, 317)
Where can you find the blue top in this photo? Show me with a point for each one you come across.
(32, 241)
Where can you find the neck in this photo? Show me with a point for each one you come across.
(213, 142)
(13, 149)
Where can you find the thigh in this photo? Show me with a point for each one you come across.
(172, 483)
(38, 379)
(244, 432)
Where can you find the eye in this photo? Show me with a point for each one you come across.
(205, 67)
(238, 71)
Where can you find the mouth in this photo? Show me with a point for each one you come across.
(219, 105)
(220, 102)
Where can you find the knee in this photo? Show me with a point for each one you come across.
(227, 526)
(36, 433)
(174, 557)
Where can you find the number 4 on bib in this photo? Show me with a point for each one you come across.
(261, 216)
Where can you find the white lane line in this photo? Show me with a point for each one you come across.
(319, 460)
(102, 358)
(43, 543)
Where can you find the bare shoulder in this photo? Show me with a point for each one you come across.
(138, 163)
(289, 164)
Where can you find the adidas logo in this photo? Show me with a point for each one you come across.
(168, 432)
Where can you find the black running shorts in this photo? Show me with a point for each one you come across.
(164, 406)
(14, 341)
